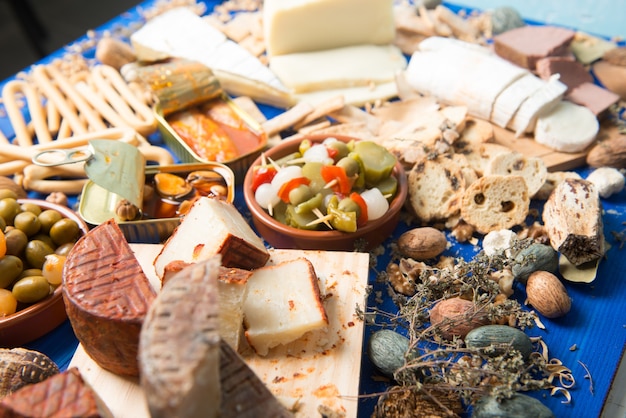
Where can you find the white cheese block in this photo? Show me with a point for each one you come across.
(283, 303)
(310, 25)
(181, 33)
(350, 66)
(213, 226)
(507, 103)
(567, 128)
(355, 96)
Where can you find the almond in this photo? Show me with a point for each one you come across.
(547, 294)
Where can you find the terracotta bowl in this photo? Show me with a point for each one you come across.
(42, 317)
(280, 235)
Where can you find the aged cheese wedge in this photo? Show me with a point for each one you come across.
(350, 66)
(65, 394)
(312, 25)
(181, 33)
(213, 226)
(283, 303)
(179, 349)
(107, 296)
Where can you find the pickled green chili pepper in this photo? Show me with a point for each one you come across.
(308, 205)
(300, 220)
(341, 221)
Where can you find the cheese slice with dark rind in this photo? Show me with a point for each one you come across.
(65, 394)
(107, 296)
(179, 349)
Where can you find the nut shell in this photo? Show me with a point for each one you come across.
(422, 243)
(547, 294)
(456, 317)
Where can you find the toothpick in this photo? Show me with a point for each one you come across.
(331, 183)
(320, 218)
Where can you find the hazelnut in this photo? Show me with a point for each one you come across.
(126, 211)
(547, 294)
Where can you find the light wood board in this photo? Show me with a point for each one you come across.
(321, 368)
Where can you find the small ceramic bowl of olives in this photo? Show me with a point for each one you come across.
(325, 193)
(36, 236)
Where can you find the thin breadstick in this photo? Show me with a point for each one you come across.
(40, 75)
(98, 102)
(3, 138)
(157, 154)
(114, 88)
(22, 134)
(53, 117)
(326, 107)
(93, 118)
(287, 119)
(10, 168)
(65, 130)
(50, 186)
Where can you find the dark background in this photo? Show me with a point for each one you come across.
(62, 21)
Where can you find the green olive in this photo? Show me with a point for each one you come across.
(64, 231)
(16, 241)
(10, 269)
(8, 193)
(31, 207)
(36, 252)
(31, 289)
(64, 249)
(3, 224)
(30, 272)
(300, 194)
(45, 238)
(48, 218)
(339, 146)
(350, 165)
(27, 222)
(8, 209)
(348, 205)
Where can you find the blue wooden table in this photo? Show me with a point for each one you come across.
(596, 325)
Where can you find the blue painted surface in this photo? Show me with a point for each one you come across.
(596, 324)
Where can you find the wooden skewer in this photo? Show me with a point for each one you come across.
(321, 219)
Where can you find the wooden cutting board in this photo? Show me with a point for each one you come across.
(321, 368)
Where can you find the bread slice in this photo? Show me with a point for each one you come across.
(532, 169)
(479, 155)
(283, 303)
(436, 188)
(495, 202)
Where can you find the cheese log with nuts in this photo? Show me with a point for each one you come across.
(179, 349)
(283, 304)
(65, 394)
(107, 296)
(211, 227)
(313, 25)
(572, 216)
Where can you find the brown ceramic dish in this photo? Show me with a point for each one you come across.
(42, 317)
(280, 235)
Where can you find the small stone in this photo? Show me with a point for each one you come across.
(504, 19)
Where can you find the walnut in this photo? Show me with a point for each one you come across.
(399, 281)
(58, 198)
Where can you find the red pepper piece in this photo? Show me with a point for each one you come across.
(289, 185)
(362, 219)
(264, 174)
(333, 173)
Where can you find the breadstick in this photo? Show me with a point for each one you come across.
(157, 154)
(53, 117)
(93, 118)
(114, 88)
(40, 75)
(36, 178)
(100, 104)
(3, 138)
(10, 168)
(35, 108)
(65, 130)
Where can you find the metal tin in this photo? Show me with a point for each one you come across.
(185, 154)
(98, 205)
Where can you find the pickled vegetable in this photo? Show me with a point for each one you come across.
(31, 289)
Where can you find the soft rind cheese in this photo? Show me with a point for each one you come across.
(311, 25)
(283, 303)
(351, 66)
(107, 296)
(213, 226)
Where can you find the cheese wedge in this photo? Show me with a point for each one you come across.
(283, 304)
(179, 349)
(107, 296)
(351, 66)
(65, 394)
(311, 25)
(211, 227)
(181, 33)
